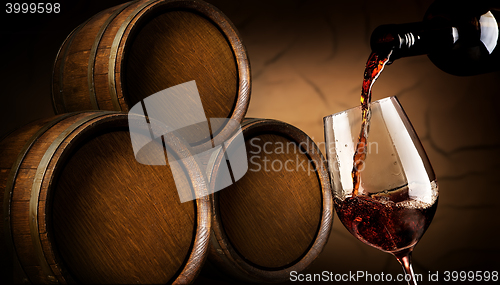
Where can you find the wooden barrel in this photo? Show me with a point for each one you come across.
(131, 51)
(277, 218)
(78, 207)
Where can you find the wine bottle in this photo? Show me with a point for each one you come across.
(459, 37)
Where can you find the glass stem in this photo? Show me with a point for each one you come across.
(404, 258)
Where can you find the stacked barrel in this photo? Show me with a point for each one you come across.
(78, 207)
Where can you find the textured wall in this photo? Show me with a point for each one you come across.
(307, 60)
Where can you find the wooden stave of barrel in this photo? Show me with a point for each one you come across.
(239, 110)
(224, 254)
(90, 70)
(31, 253)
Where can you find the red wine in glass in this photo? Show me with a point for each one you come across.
(379, 221)
(388, 199)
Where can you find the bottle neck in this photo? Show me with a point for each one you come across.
(460, 37)
(413, 38)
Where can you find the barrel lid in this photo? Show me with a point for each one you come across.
(173, 42)
(277, 217)
(105, 215)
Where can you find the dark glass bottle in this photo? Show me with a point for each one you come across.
(460, 37)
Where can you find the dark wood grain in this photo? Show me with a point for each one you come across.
(96, 215)
(104, 207)
(273, 220)
(181, 46)
(271, 215)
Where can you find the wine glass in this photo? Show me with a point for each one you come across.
(397, 193)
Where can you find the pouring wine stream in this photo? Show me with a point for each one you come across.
(374, 67)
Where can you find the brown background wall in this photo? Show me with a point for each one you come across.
(307, 60)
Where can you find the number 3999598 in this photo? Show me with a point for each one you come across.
(32, 8)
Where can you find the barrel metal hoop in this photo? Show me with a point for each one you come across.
(10, 187)
(59, 94)
(36, 188)
(93, 53)
(54, 103)
(114, 51)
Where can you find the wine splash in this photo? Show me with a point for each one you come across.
(374, 66)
